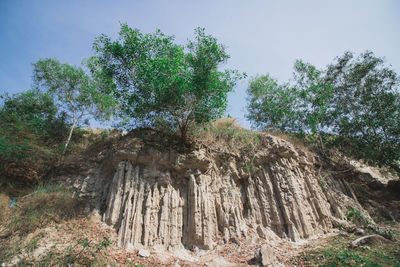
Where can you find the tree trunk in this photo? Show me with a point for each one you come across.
(183, 134)
(395, 167)
(321, 143)
(69, 136)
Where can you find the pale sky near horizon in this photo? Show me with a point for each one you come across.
(261, 36)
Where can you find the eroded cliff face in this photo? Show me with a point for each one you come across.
(159, 197)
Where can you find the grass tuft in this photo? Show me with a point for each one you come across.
(336, 252)
(225, 134)
(47, 203)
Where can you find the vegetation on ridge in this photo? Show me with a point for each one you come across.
(77, 94)
(31, 130)
(354, 100)
(148, 80)
(158, 83)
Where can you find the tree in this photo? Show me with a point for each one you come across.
(366, 104)
(31, 111)
(357, 98)
(315, 95)
(271, 106)
(300, 107)
(156, 81)
(75, 91)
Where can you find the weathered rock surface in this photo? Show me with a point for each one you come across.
(265, 256)
(144, 253)
(162, 198)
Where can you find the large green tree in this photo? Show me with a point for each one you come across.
(366, 104)
(355, 97)
(299, 107)
(78, 94)
(157, 81)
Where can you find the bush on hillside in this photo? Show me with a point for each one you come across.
(31, 133)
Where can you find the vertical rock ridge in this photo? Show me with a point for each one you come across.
(200, 199)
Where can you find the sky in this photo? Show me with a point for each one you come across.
(261, 36)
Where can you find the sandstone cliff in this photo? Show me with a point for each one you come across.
(159, 197)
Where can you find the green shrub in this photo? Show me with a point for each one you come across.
(31, 131)
(355, 216)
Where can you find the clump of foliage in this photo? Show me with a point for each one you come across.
(301, 108)
(270, 104)
(77, 94)
(357, 217)
(158, 83)
(366, 105)
(32, 129)
(356, 99)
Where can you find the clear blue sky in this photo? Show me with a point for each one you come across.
(261, 36)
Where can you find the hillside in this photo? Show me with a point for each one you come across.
(215, 202)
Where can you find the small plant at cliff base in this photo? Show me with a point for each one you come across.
(322, 182)
(335, 251)
(76, 92)
(82, 247)
(83, 253)
(88, 251)
(159, 83)
(355, 216)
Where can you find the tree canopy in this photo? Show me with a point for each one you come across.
(270, 104)
(74, 90)
(366, 104)
(158, 82)
(355, 97)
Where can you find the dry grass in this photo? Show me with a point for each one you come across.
(5, 209)
(45, 204)
(335, 251)
(86, 138)
(226, 135)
